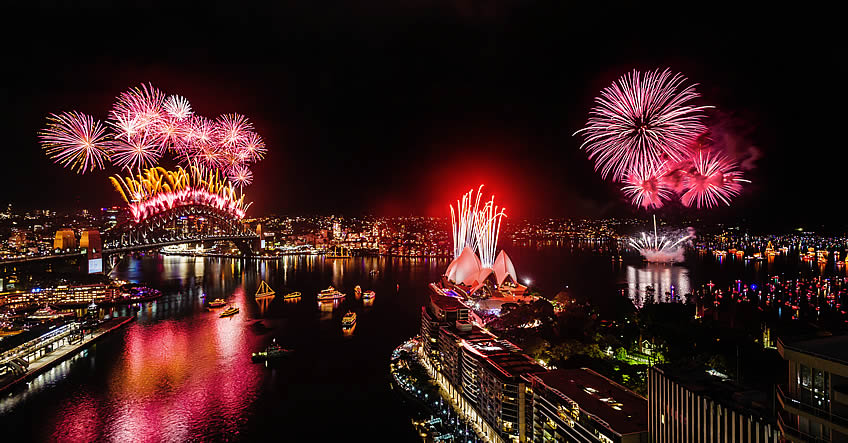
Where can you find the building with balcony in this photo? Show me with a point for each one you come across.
(694, 405)
(580, 405)
(813, 405)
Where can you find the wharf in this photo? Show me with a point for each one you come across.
(60, 354)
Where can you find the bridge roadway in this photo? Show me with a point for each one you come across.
(158, 244)
(121, 249)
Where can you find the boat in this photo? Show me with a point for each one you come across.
(217, 303)
(264, 291)
(330, 293)
(273, 351)
(358, 290)
(291, 295)
(349, 319)
(339, 252)
(45, 313)
(232, 310)
(369, 294)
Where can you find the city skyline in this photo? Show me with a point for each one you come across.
(325, 99)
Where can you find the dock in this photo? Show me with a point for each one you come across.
(63, 352)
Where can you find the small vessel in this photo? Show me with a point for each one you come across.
(339, 252)
(330, 293)
(369, 294)
(358, 290)
(273, 351)
(349, 319)
(232, 310)
(45, 313)
(217, 303)
(264, 291)
(291, 295)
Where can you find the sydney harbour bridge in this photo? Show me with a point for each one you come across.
(185, 216)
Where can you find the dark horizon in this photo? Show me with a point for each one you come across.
(395, 110)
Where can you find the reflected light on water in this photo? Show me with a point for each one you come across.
(669, 283)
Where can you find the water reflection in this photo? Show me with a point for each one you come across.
(657, 283)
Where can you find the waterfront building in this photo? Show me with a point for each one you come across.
(442, 311)
(692, 405)
(580, 405)
(490, 381)
(71, 295)
(813, 405)
(65, 240)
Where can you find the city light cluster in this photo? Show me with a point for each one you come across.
(155, 190)
(476, 228)
(645, 134)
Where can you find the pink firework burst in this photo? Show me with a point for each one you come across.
(177, 107)
(254, 147)
(640, 121)
(241, 176)
(169, 133)
(647, 188)
(713, 179)
(143, 104)
(209, 156)
(76, 141)
(136, 153)
(232, 129)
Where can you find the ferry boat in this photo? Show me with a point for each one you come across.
(339, 252)
(232, 310)
(330, 293)
(264, 291)
(273, 351)
(349, 319)
(369, 294)
(217, 303)
(45, 313)
(291, 295)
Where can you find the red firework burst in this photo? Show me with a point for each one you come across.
(713, 179)
(648, 188)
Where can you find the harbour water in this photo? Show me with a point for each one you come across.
(181, 373)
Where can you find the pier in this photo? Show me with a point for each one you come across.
(26, 361)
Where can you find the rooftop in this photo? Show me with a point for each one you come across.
(624, 411)
(722, 390)
(446, 303)
(834, 348)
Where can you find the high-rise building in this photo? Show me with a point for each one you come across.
(693, 405)
(813, 405)
(65, 240)
(90, 241)
(580, 405)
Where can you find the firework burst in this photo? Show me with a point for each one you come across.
(647, 188)
(233, 129)
(462, 220)
(143, 104)
(76, 141)
(241, 176)
(713, 179)
(254, 148)
(178, 107)
(136, 153)
(487, 223)
(640, 122)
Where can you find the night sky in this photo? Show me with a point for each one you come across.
(397, 107)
